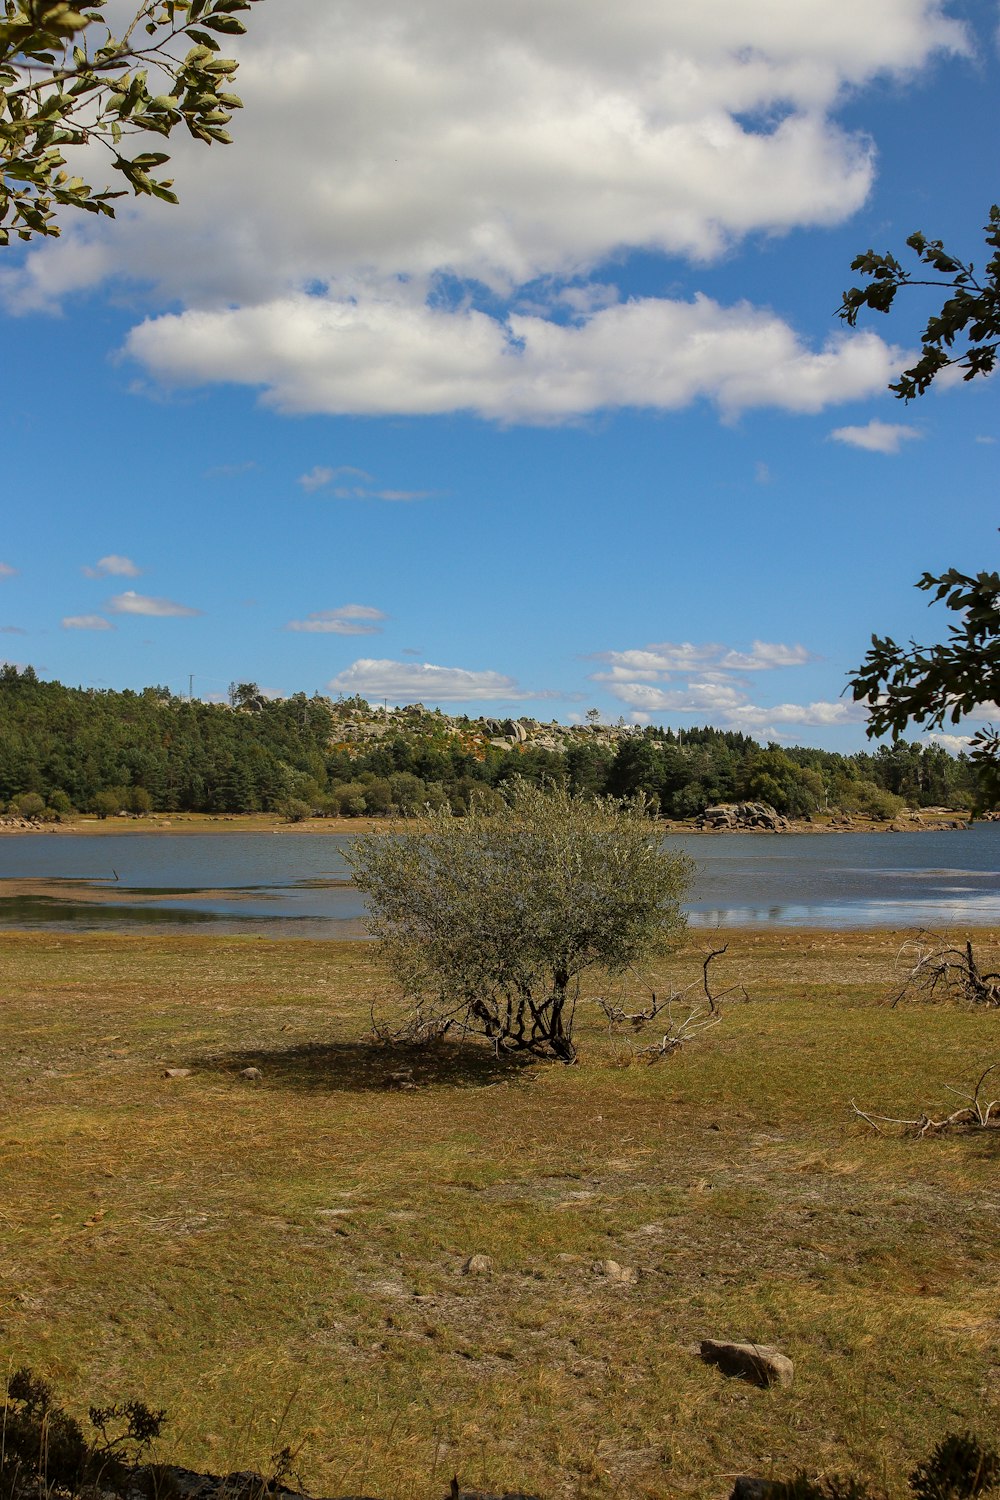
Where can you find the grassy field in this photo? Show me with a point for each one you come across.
(281, 1261)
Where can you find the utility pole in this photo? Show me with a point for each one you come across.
(190, 687)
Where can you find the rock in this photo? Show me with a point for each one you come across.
(623, 1275)
(177, 1072)
(251, 1073)
(759, 1363)
(478, 1265)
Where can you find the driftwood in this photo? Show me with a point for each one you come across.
(951, 973)
(974, 1114)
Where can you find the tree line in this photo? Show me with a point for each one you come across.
(64, 748)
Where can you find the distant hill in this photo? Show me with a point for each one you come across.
(102, 751)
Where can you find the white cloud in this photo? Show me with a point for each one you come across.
(112, 566)
(715, 686)
(6, 571)
(986, 439)
(413, 682)
(348, 487)
(822, 714)
(86, 622)
(680, 658)
(955, 744)
(509, 142)
(696, 697)
(349, 619)
(876, 437)
(510, 145)
(131, 603)
(391, 354)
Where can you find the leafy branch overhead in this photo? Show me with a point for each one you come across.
(965, 333)
(67, 81)
(932, 684)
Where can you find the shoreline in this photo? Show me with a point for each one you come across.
(929, 820)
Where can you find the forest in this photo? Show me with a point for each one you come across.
(102, 751)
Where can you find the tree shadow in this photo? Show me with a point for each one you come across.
(370, 1067)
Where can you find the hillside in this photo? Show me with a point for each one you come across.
(64, 748)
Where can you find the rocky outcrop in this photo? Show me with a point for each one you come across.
(739, 815)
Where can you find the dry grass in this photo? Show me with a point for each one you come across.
(281, 1261)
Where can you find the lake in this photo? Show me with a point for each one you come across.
(298, 885)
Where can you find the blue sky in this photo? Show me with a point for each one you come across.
(496, 366)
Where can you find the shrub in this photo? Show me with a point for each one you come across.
(489, 920)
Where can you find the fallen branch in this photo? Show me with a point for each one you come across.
(951, 972)
(975, 1114)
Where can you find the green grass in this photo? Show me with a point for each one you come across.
(281, 1261)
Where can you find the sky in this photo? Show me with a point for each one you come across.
(496, 365)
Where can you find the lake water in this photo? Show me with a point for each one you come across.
(297, 885)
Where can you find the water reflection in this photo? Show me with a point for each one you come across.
(299, 886)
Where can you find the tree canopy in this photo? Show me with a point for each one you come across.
(68, 745)
(66, 80)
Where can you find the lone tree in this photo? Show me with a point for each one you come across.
(488, 921)
(931, 684)
(66, 80)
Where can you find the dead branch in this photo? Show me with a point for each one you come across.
(975, 1114)
(679, 1032)
(618, 1016)
(951, 973)
(681, 1028)
(417, 1030)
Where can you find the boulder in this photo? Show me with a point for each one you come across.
(478, 1265)
(759, 1363)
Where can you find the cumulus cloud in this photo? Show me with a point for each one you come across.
(413, 682)
(670, 657)
(876, 437)
(955, 744)
(112, 566)
(506, 142)
(349, 619)
(711, 679)
(86, 622)
(391, 354)
(131, 603)
(512, 147)
(6, 571)
(822, 714)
